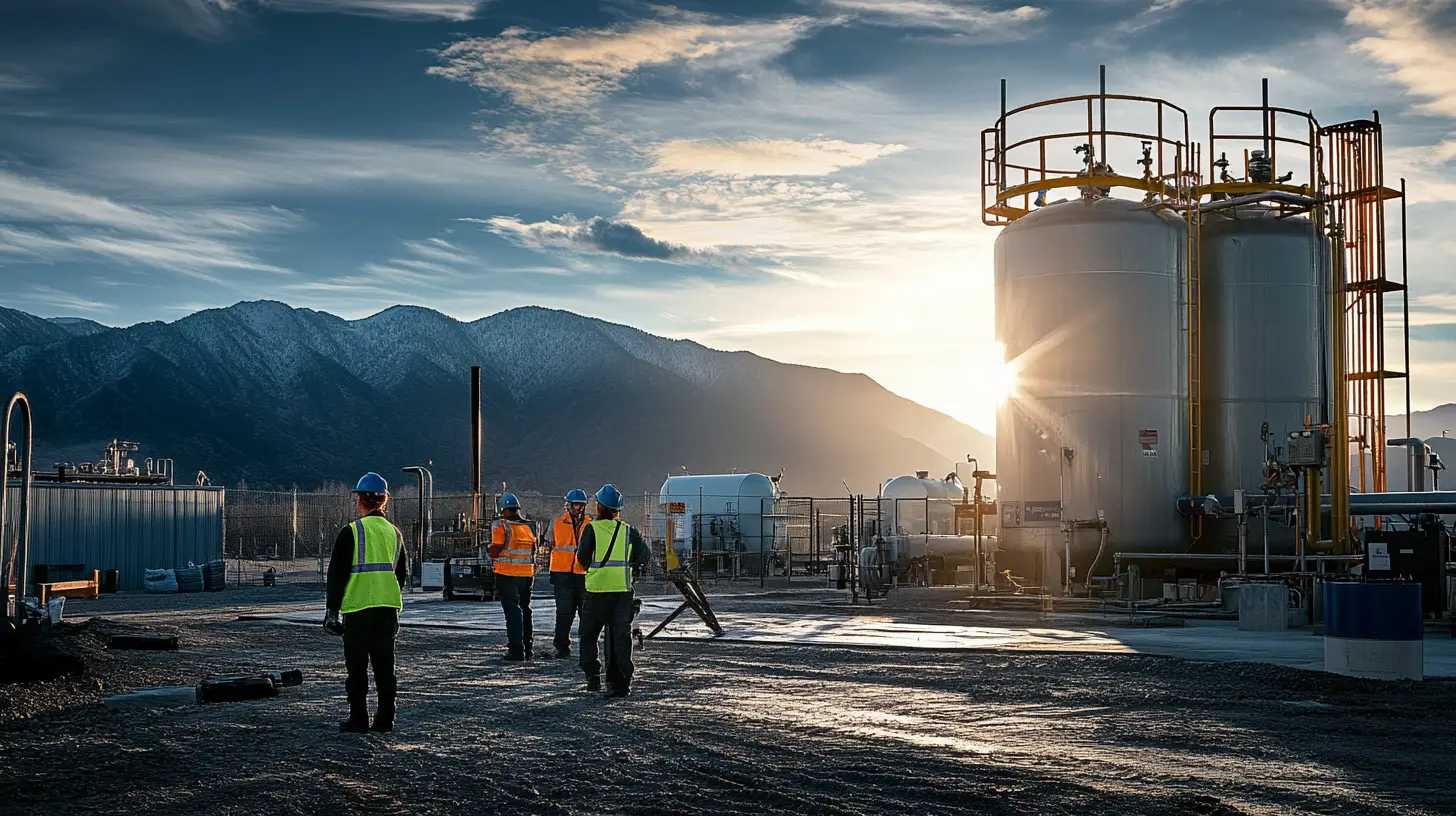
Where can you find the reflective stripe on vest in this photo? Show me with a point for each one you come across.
(612, 572)
(372, 583)
(518, 557)
(565, 534)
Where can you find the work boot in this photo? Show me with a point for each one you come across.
(384, 718)
(515, 656)
(562, 654)
(594, 684)
(620, 691)
(355, 725)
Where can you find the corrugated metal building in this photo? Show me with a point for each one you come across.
(124, 527)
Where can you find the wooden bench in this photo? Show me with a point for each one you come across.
(78, 590)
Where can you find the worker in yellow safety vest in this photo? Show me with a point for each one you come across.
(613, 554)
(368, 568)
(568, 576)
(513, 556)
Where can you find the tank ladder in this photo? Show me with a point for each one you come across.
(1194, 217)
(1357, 193)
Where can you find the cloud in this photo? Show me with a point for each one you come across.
(1403, 35)
(40, 222)
(53, 298)
(765, 157)
(16, 79)
(211, 18)
(1430, 170)
(962, 18)
(596, 236)
(243, 165)
(454, 10)
(1154, 14)
(431, 262)
(572, 71)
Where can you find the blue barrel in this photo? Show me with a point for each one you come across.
(1374, 630)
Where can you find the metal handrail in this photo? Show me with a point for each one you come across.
(1163, 177)
(1271, 138)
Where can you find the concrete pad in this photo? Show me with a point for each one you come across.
(1208, 641)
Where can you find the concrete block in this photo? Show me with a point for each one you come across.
(1263, 607)
(1375, 659)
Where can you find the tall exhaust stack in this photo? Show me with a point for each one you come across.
(475, 448)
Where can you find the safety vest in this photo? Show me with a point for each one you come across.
(611, 566)
(377, 545)
(565, 534)
(519, 556)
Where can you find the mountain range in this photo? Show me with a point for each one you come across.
(277, 396)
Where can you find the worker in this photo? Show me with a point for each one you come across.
(363, 603)
(613, 553)
(513, 555)
(568, 576)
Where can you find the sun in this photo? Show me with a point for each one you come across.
(999, 374)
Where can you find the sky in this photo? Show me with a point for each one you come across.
(798, 178)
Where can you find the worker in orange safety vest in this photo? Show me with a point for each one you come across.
(568, 576)
(513, 556)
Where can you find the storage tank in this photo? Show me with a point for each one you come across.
(732, 507)
(1090, 306)
(907, 501)
(1264, 301)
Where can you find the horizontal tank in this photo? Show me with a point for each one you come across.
(1091, 309)
(906, 500)
(736, 511)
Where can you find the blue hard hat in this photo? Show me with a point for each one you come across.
(508, 501)
(610, 498)
(577, 496)
(372, 482)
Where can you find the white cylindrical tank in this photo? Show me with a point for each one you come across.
(1091, 307)
(919, 505)
(729, 508)
(1264, 303)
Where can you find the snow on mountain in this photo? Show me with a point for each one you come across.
(18, 329)
(79, 326)
(279, 395)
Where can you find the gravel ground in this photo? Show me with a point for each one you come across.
(715, 729)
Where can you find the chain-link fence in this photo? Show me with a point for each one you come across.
(288, 537)
(275, 537)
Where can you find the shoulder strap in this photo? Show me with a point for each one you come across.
(602, 562)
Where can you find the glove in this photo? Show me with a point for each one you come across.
(334, 623)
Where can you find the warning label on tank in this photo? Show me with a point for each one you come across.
(1148, 441)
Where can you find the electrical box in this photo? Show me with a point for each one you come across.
(1417, 555)
(1307, 449)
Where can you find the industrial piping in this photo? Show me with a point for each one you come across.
(1418, 452)
(1440, 502)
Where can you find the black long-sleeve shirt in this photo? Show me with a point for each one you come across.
(341, 564)
(640, 556)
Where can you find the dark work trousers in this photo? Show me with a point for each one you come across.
(369, 638)
(612, 612)
(570, 591)
(515, 598)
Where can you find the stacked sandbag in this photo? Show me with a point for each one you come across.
(214, 575)
(189, 578)
(159, 582)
